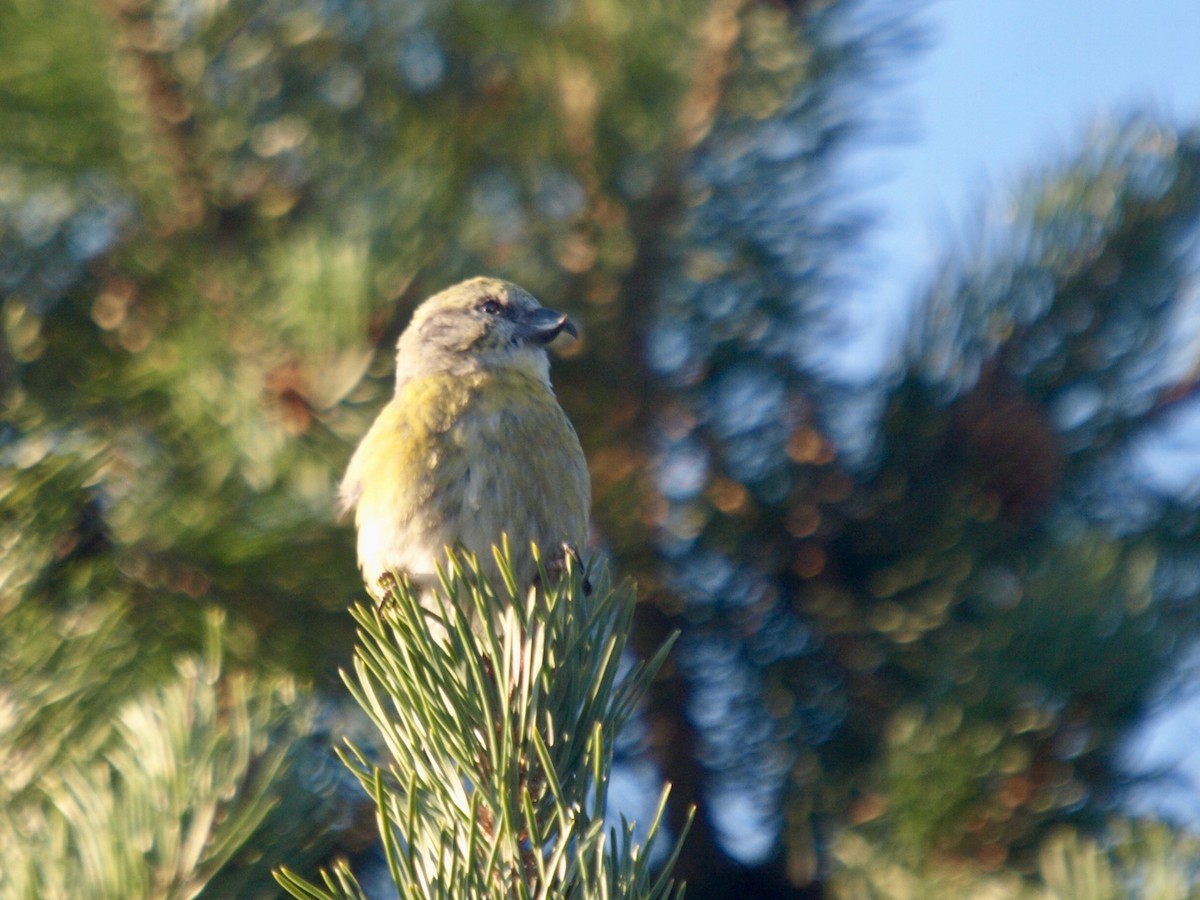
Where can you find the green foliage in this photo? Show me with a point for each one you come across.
(1146, 860)
(215, 217)
(53, 705)
(160, 791)
(1006, 566)
(58, 106)
(500, 740)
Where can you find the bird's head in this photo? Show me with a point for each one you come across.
(479, 325)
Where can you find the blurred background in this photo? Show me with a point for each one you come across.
(888, 387)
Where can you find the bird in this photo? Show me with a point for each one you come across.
(472, 447)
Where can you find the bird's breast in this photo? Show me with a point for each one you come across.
(461, 460)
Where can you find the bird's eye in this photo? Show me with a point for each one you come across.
(492, 307)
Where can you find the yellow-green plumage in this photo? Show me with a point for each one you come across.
(473, 444)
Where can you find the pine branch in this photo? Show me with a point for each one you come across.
(499, 713)
(183, 789)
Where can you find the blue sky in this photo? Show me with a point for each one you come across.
(1006, 86)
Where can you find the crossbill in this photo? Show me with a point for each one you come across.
(473, 445)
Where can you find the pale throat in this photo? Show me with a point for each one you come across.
(523, 360)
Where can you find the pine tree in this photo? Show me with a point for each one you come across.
(215, 217)
(1011, 574)
(500, 741)
(115, 788)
